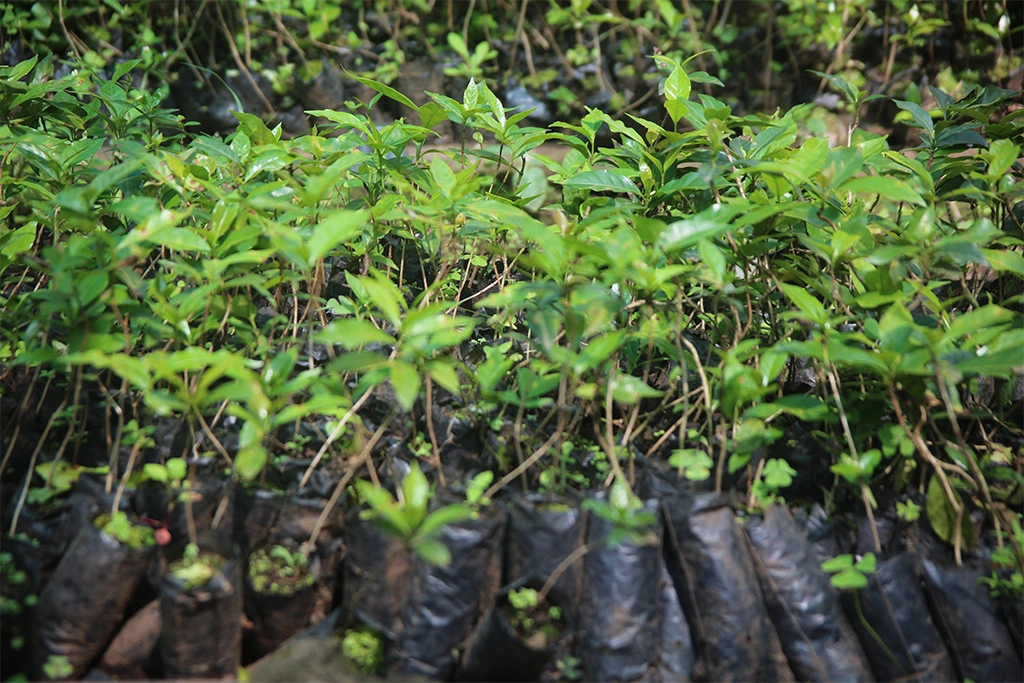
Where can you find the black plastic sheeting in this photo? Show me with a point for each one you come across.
(443, 603)
(375, 574)
(675, 648)
(538, 539)
(202, 628)
(895, 607)
(819, 643)
(620, 611)
(732, 632)
(495, 652)
(26, 558)
(275, 617)
(980, 643)
(85, 600)
(266, 518)
(54, 526)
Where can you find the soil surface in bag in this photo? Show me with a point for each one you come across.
(620, 610)
(84, 603)
(895, 607)
(202, 628)
(541, 533)
(732, 632)
(443, 603)
(979, 641)
(819, 643)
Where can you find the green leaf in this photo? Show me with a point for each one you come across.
(352, 333)
(155, 471)
(979, 319)
(443, 373)
(920, 116)
(251, 456)
(431, 114)
(598, 350)
(335, 227)
(443, 176)
(433, 552)
(629, 389)
(837, 564)
(386, 91)
(890, 188)
(254, 129)
(677, 91)
(416, 490)
(867, 564)
(706, 225)
(449, 514)
(177, 468)
(813, 310)
(383, 294)
(406, 381)
(942, 516)
(850, 578)
(602, 180)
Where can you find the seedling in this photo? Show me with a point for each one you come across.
(408, 520)
(537, 623)
(279, 571)
(117, 525)
(195, 568)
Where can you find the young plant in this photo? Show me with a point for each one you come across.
(195, 568)
(536, 623)
(408, 519)
(118, 526)
(277, 570)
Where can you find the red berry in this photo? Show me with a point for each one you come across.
(163, 537)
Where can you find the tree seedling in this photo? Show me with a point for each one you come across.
(196, 567)
(537, 623)
(279, 571)
(408, 519)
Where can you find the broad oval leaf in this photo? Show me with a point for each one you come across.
(602, 180)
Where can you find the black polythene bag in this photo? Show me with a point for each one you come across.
(375, 575)
(675, 647)
(981, 645)
(895, 608)
(16, 623)
(539, 537)
(620, 610)
(819, 642)
(443, 603)
(1013, 616)
(275, 617)
(495, 652)
(732, 632)
(263, 517)
(202, 627)
(85, 600)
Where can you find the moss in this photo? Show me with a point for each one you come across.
(365, 648)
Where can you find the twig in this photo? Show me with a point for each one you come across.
(335, 433)
(367, 450)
